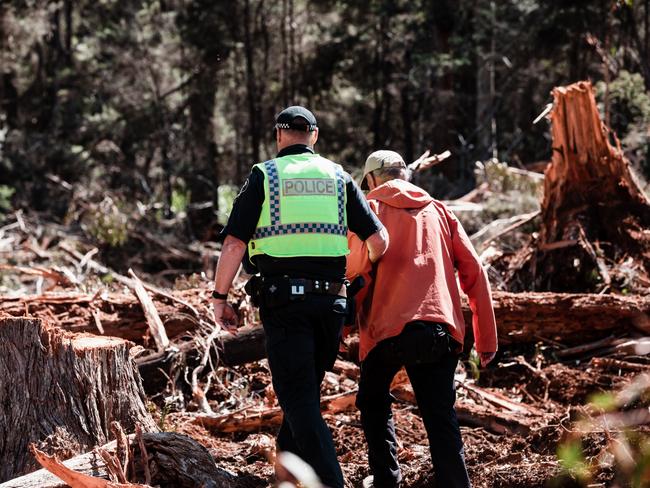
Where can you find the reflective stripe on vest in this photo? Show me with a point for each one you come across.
(276, 228)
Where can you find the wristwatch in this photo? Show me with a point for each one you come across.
(219, 296)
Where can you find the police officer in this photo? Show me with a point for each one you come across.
(292, 216)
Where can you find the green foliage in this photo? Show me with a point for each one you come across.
(630, 115)
(107, 279)
(509, 192)
(604, 401)
(142, 94)
(6, 193)
(474, 364)
(107, 223)
(179, 201)
(573, 461)
(616, 417)
(164, 411)
(227, 195)
(502, 178)
(630, 102)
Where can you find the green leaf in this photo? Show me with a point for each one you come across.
(603, 401)
(572, 459)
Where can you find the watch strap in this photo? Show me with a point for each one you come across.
(219, 296)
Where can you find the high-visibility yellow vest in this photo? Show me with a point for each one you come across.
(303, 213)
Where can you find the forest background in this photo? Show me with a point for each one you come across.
(116, 114)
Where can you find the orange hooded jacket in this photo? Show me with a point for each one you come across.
(415, 279)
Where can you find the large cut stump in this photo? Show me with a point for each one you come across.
(595, 233)
(62, 391)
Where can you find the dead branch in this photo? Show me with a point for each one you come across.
(72, 477)
(156, 326)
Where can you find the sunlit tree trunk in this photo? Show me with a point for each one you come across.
(251, 84)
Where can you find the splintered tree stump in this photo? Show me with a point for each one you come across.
(62, 391)
(594, 215)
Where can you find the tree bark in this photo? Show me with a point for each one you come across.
(251, 84)
(62, 391)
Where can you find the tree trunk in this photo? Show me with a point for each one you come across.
(251, 85)
(62, 391)
(593, 211)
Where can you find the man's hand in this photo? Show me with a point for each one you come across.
(225, 315)
(486, 358)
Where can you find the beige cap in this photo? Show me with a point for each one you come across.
(381, 159)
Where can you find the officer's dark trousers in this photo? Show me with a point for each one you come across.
(433, 385)
(302, 341)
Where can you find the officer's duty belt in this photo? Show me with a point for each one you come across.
(272, 291)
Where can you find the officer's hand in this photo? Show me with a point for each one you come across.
(486, 357)
(225, 315)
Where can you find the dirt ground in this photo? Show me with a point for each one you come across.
(523, 459)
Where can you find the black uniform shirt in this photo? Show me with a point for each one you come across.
(246, 212)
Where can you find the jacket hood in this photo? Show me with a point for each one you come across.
(400, 194)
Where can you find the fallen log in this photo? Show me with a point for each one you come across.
(531, 317)
(173, 459)
(606, 347)
(521, 317)
(120, 314)
(159, 368)
(569, 318)
(62, 391)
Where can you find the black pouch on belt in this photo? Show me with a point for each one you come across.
(275, 291)
(268, 292)
(253, 288)
(422, 342)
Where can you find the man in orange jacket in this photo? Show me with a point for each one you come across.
(410, 315)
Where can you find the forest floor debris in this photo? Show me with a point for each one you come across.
(514, 415)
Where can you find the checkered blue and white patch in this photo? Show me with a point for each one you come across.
(274, 190)
(340, 184)
(303, 228)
